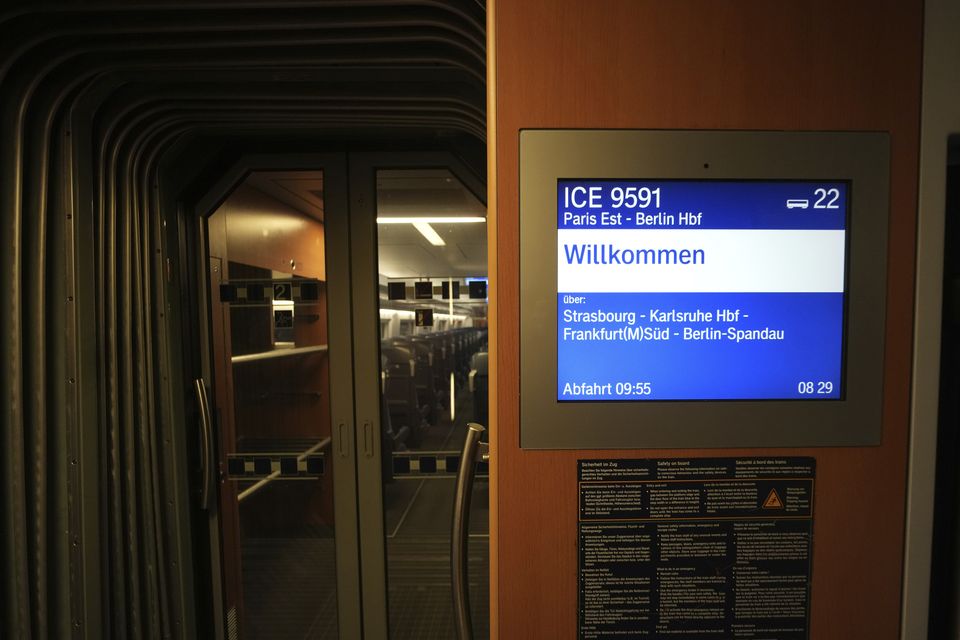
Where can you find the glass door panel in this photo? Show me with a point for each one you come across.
(431, 241)
(349, 352)
(280, 353)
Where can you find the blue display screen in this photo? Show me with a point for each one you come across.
(700, 290)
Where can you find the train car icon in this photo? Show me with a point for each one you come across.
(798, 203)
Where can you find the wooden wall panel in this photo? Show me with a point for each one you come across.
(691, 64)
(266, 233)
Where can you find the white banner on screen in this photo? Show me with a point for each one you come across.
(700, 260)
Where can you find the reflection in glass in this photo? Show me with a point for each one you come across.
(272, 381)
(431, 244)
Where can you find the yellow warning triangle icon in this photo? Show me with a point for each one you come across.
(773, 500)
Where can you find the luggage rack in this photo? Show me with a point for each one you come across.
(419, 465)
(263, 465)
(278, 353)
(266, 461)
(258, 292)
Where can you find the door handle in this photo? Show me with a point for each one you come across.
(206, 442)
(343, 445)
(368, 438)
(473, 451)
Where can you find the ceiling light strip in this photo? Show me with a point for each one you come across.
(429, 233)
(429, 219)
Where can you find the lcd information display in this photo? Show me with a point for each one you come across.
(700, 289)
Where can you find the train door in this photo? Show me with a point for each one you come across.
(426, 352)
(281, 478)
(327, 519)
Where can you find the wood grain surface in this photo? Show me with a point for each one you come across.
(693, 64)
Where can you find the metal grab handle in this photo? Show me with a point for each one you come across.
(206, 435)
(473, 451)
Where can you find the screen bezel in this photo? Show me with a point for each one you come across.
(860, 159)
(846, 284)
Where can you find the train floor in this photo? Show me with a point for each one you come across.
(288, 585)
(418, 518)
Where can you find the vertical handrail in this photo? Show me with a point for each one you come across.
(473, 451)
(206, 433)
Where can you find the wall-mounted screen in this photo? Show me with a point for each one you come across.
(700, 289)
(691, 289)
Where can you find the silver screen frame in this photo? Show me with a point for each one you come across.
(860, 158)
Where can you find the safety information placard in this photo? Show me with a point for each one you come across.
(701, 547)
